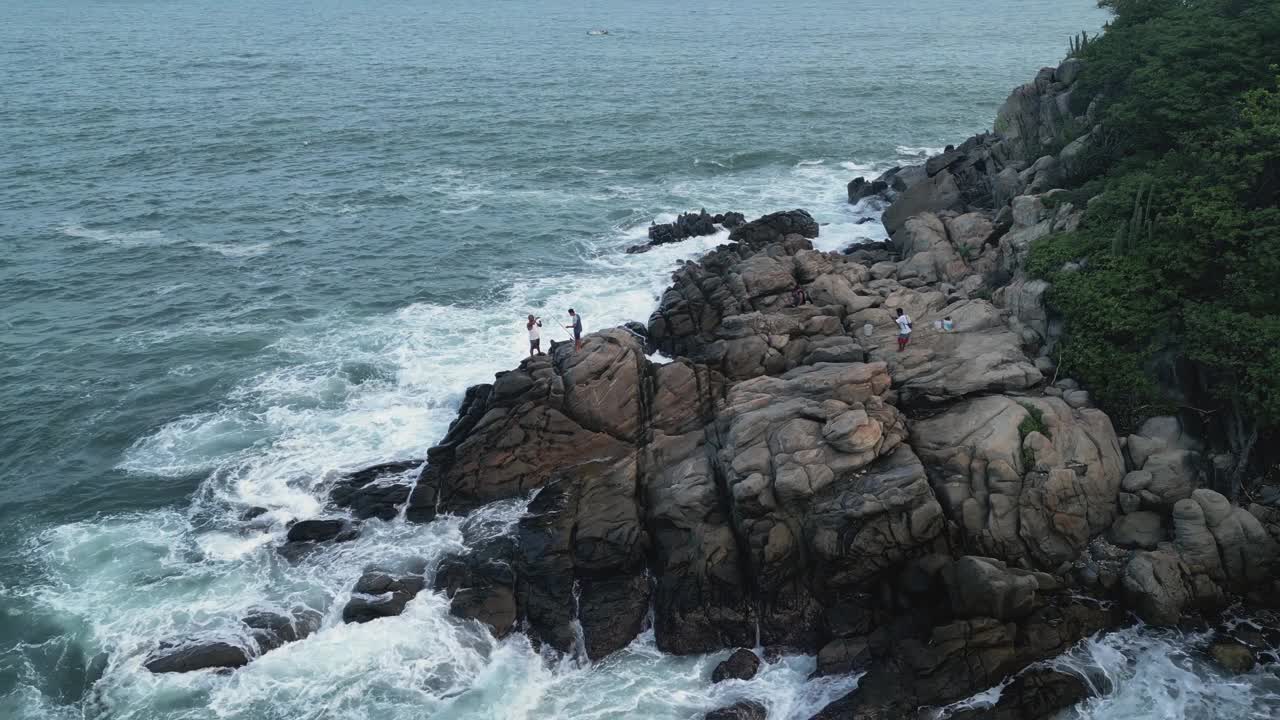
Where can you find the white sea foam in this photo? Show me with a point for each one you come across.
(920, 153)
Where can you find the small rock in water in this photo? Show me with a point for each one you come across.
(1232, 655)
(189, 658)
(745, 710)
(378, 595)
(741, 665)
(307, 534)
(336, 529)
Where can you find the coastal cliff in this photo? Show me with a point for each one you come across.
(744, 472)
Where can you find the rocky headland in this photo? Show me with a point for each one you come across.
(940, 519)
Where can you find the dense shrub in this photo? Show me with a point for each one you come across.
(1181, 242)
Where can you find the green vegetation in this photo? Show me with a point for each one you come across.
(1179, 251)
(1033, 422)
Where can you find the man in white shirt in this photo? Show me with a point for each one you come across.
(904, 329)
(535, 336)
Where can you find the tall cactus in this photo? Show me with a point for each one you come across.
(1141, 226)
(1077, 43)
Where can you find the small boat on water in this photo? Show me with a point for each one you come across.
(598, 31)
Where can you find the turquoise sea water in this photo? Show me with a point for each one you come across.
(250, 245)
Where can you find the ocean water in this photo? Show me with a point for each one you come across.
(248, 246)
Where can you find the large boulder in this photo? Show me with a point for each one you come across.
(984, 587)
(784, 442)
(1157, 585)
(551, 412)
(774, 227)
(741, 665)
(1025, 480)
(937, 194)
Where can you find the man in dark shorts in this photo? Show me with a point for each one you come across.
(576, 327)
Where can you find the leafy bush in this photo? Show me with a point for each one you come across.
(1181, 240)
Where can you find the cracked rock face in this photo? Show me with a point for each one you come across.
(1043, 512)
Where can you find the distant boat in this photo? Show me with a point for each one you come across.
(598, 32)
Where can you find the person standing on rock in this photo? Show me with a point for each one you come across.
(576, 327)
(904, 329)
(535, 336)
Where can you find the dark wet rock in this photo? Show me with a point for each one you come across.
(481, 585)
(985, 587)
(1037, 694)
(741, 665)
(378, 491)
(639, 329)
(744, 710)
(872, 252)
(775, 227)
(378, 595)
(844, 656)
(325, 530)
(581, 548)
(688, 225)
(189, 658)
(271, 629)
(861, 188)
(307, 535)
(964, 657)
(252, 513)
(1231, 655)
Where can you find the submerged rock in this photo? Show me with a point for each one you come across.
(744, 710)
(1233, 656)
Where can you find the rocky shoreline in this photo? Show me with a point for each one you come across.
(940, 519)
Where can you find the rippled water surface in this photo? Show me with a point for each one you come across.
(250, 245)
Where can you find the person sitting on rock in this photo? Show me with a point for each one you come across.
(576, 327)
(535, 335)
(799, 296)
(947, 325)
(904, 329)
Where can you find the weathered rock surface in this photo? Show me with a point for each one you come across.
(378, 595)
(378, 491)
(1017, 493)
(958, 659)
(688, 225)
(259, 632)
(306, 535)
(198, 657)
(1036, 694)
(741, 665)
